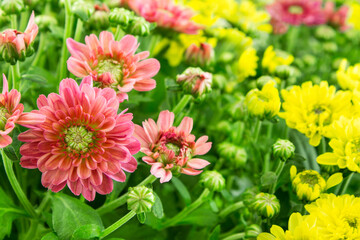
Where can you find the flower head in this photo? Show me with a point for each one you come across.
(272, 59)
(247, 64)
(213, 180)
(300, 228)
(338, 217)
(296, 12)
(312, 109)
(113, 64)
(279, 27)
(83, 143)
(171, 150)
(267, 205)
(15, 45)
(264, 103)
(337, 17)
(309, 184)
(348, 76)
(140, 199)
(345, 144)
(166, 14)
(195, 81)
(11, 113)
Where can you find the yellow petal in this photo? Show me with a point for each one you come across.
(265, 236)
(334, 180)
(293, 172)
(327, 159)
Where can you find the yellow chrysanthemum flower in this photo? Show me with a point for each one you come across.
(354, 18)
(206, 16)
(300, 228)
(272, 59)
(247, 64)
(338, 217)
(309, 184)
(312, 109)
(264, 103)
(348, 77)
(345, 145)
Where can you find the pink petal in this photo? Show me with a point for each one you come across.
(190, 171)
(105, 40)
(106, 187)
(5, 140)
(146, 69)
(165, 120)
(186, 125)
(75, 187)
(89, 194)
(197, 163)
(5, 85)
(145, 85)
(78, 50)
(30, 119)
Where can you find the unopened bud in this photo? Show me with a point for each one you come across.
(82, 9)
(195, 81)
(252, 231)
(100, 17)
(140, 199)
(139, 26)
(121, 16)
(213, 180)
(236, 155)
(283, 149)
(199, 55)
(44, 22)
(284, 71)
(266, 205)
(12, 6)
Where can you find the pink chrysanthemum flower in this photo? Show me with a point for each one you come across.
(166, 14)
(11, 113)
(296, 12)
(15, 45)
(279, 27)
(83, 143)
(113, 64)
(336, 17)
(170, 150)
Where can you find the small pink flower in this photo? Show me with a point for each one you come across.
(83, 143)
(18, 45)
(113, 64)
(166, 14)
(11, 113)
(279, 27)
(199, 55)
(170, 150)
(296, 12)
(336, 17)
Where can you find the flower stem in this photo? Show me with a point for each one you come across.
(24, 20)
(16, 75)
(257, 129)
(67, 33)
(346, 184)
(231, 208)
(16, 186)
(13, 21)
(235, 236)
(122, 199)
(117, 224)
(278, 171)
(186, 211)
(182, 104)
(78, 30)
(323, 146)
(40, 49)
(119, 33)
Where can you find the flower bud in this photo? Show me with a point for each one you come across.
(44, 22)
(100, 17)
(283, 149)
(139, 26)
(140, 199)
(330, 47)
(325, 32)
(284, 71)
(12, 6)
(4, 19)
(121, 16)
(199, 56)
(195, 81)
(252, 231)
(309, 60)
(233, 153)
(213, 180)
(82, 9)
(266, 205)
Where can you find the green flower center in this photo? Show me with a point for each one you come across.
(353, 222)
(3, 117)
(296, 9)
(321, 114)
(310, 179)
(175, 148)
(78, 138)
(112, 66)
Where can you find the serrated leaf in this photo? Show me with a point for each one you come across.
(50, 236)
(157, 208)
(181, 188)
(268, 179)
(69, 214)
(88, 231)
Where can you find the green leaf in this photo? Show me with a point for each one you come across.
(88, 231)
(69, 214)
(8, 213)
(50, 236)
(215, 235)
(141, 217)
(181, 188)
(157, 208)
(268, 179)
(12, 151)
(202, 216)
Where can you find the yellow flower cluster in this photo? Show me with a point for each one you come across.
(354, 18)
(312, 109)
(348, 77)
(247, 64)
(273, 58)
(330, 217)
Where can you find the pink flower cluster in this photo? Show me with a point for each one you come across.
(166, 14)
(309, 12)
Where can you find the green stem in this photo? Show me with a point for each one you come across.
(16, 75)
(153, 43)
(32, 230)
(43, 203)
(257, 129)
(187, 210)
(278, 171)
(182, 104)
(118, 224)
(346, 183)
(235, 236)
(67, 33)
(286, 132)
(232, 208)
(40, 49)
(16, 186)
(78, 30)
(24, 20)
(323, 146)
(122, 199)
(13, 21)
(119, 33)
